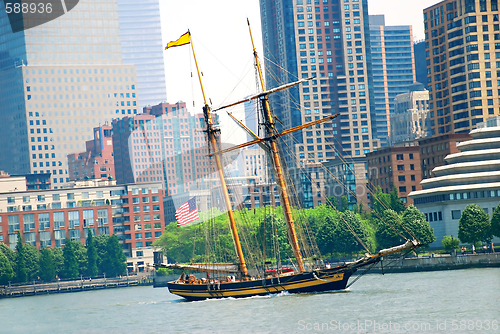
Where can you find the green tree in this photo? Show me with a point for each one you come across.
(326, 235)
(58, 261)
(100, 242)
(381, 202)
(6, 272)
(344, 203)
(20, 269)
(495, 222)
(450, 243)
(333, 202)
(345, 241)
(47, 265)
(91, 255)
(81, 257)
(70, 260)
(281, 236)
(387, 230)
(316, 216)
(31, 261)
(11, 256)
(415, 221)
(474, 225)
(114, 261)
(396, 203)
(162, 272)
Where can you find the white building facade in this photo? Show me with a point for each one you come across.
(469, 177)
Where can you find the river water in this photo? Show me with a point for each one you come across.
(461, 301)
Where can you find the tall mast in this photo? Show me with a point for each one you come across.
(211, 134)
(271, 131)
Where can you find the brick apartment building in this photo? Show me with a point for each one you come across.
(405, 166)
(134, 212)
(164, 144)
(395, 166)
(97, 162)
(433, 150)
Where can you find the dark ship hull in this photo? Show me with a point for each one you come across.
(310, 281)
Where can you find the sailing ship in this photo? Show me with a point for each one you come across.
(236, 279)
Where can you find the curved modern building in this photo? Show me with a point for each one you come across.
(470, 176)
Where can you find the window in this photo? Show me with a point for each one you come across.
(74, 234)
(73, 219)
(102, 217)
(401, 178)
(402, 189)
(29, 222)
(58, 220)
(455, 214)
(401, 167)
(88, 218)
(43, 221)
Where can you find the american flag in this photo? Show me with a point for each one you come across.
(187, 212)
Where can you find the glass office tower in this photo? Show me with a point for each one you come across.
(58, 81)
(393, 66)
(141, 41)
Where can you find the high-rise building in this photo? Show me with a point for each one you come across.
(252, 118)
(141, 42)
(58, 81)
(396, 166)
(97, 162)
(164, 144)
(420, 66)
(410, 119)
(462, 39)
(328, 41)
(253, 163)
(393, 68)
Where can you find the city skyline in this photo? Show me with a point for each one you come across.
(236, 56)
(58, 83)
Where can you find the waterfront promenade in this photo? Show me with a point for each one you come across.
(38, 288)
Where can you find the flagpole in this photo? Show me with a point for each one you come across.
(211, 134)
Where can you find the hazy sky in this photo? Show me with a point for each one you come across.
(223, 48)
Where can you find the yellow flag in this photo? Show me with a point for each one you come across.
(184, 39)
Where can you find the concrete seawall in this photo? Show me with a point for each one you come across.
(440, 262)
(72, 286)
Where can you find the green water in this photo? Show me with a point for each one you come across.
(461, 301)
